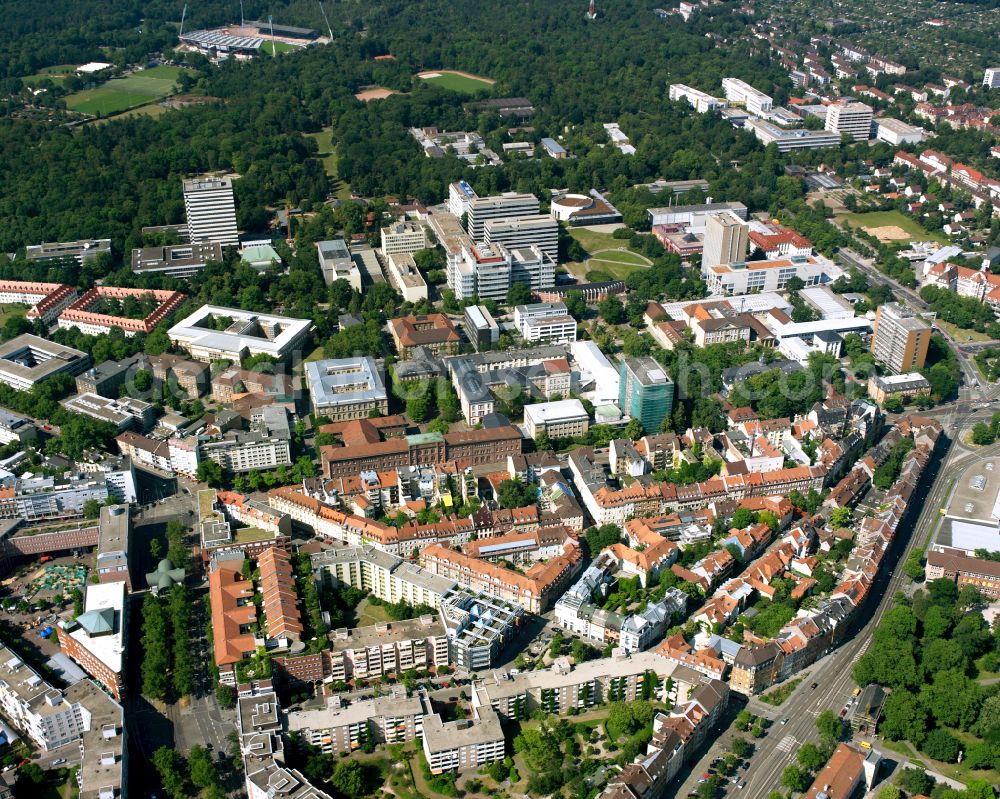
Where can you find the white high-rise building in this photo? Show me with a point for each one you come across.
(991, 78)
(211, 210)
(509, 205)
(726, 240)
(854, 119)
(488, 270)
(541, 231)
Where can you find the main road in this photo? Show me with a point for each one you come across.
(832, 673)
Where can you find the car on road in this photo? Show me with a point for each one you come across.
(60, 760)
(814, 686)
(843, 712)
(784, 721)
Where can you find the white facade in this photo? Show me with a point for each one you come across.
(786, 140)
(460, 194)
(726, 239)
(854, 119)
(549, 322)
(403, 237)
(559, 419)
(698, 100)
(211, 210)
(406, 277)
(541, 231)
(756, 102)
(896, 132)
(249, 333)
(487, 270)
(509, 205)
(757, 276)
(991, 78)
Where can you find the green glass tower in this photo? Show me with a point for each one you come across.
(645, 392)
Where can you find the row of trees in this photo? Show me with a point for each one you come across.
(168, 668)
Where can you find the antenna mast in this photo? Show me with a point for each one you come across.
(322, 10)
(241, 14)
(183, 14)
(274, 52)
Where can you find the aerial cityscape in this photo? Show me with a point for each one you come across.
(559, 399)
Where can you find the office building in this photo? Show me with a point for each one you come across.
(560, 419)
(743, 94)
(700, 101)
(480, 327)
(487, 271)
(900, 338)
(210, 210)
(103, 308)
(541, 231)
(346, 388)
(113, 531)
(96, 639)
(991, 78)
(694, 217)
(545, 322)
(905, 387)
(786, 140)
(405, 277)
(26, 360)
(336, 263)
(216, 333)
(14, 427)
(726, 240)
(854, 119)
(108, 378)
(79, 251)
(45, 300)
(264, 446)
(176, 260)
(509, 205)
(753, 277)
(48, 498)
(435, 332)
(125, 413)
(403, 237)
(645, 392)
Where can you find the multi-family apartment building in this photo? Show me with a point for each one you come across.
(346, 727)
(88, 313)
(463, 744)
(388, 648)
(742, 93)
(900, 338)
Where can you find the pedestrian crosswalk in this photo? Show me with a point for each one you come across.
(787, 744)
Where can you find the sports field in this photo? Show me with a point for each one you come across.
(456, 81)
(55, 74)
(892, 226)
(121, 94)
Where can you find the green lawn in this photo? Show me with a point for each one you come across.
(328, 154)
(459, 83)
(368, 614)
(11, 311)
(121, 94)
(607, 254)
(618, 271)
(961, 335)
(593, 240)
(56, 74)
(873, 219)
